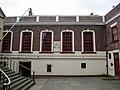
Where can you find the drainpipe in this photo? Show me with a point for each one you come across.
(106, 47)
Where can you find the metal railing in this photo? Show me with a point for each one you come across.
(14, 66)
(6, 80)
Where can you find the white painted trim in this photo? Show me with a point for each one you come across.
(114, 24)
(41, 39)
(37, 18)
(57, 18)
(20, 49)
(94, 45)
(103, 18)
(17, 19)
(77, 18)
(11, 39)
(62, 39)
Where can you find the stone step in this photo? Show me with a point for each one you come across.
(18, 82)
(29, 85)
(23, 85)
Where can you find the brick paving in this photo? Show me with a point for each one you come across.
(76, 83)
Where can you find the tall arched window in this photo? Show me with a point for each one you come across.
(7, 41)
(46, 41)
(67, 41)
(88, 41)
(26, 41)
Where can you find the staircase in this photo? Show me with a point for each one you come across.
(18, 82)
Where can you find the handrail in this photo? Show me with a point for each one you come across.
(9, 81)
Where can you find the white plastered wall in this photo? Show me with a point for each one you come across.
(111, 66)
(69, 67)
(64, 64)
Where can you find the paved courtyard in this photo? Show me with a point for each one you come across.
(76, 83)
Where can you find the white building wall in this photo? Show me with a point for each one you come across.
(111, 65)
(69, 67)
(64, 64)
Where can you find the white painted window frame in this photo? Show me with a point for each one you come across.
(11, 39)
(61, 40)
(94, 43)
(41, 39)
(20, 49)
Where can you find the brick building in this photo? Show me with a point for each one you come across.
(113, 44)
(65, 45)
(2, 16)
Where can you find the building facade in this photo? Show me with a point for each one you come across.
(113, 41)
(2, 16)
(63, 45)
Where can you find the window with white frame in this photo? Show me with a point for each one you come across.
(67, 41)
(26, 41)
(88, 41)
(46, 41)
(7, 41)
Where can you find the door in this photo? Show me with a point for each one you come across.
(24, 71)
(116, 64)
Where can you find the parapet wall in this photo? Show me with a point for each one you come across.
(91, 18)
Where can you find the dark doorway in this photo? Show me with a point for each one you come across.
(116, 64)
(24, 71)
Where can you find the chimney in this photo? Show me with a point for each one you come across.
(30, 12)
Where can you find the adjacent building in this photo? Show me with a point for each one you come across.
(65, 45)
(112, 19)
(2, 16)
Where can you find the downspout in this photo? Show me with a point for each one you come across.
(106, 47)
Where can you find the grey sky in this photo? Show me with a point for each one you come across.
(57, 7)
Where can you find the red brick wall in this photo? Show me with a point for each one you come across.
(91, 18)
(67, 19)
(112, 46)
(99, 30)
(47, 19)
(113, 12)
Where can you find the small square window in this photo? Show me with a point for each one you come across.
(49, 67)
(83, 65)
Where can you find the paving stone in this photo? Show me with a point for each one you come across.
(76, 83)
